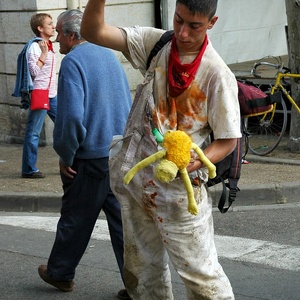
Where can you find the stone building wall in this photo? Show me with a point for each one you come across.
(243, 32)
(15, 32)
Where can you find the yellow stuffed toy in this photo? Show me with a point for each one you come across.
(174, 157)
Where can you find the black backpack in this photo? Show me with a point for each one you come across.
(228, 169)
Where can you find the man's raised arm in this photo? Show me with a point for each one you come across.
(95, 30)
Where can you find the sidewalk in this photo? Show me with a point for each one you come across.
(265, 180)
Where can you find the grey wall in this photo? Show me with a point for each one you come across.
(15, 32)
(245, 30)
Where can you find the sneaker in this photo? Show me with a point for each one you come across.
(35, 175)
(122, 294)
(64, 286)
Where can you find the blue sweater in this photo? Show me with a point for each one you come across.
(93, 102)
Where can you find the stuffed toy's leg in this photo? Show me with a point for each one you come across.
(192, 205)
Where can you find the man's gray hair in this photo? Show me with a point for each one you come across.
(71, 22)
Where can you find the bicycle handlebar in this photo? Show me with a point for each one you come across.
(279, 67)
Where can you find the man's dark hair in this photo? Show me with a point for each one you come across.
(204, 7)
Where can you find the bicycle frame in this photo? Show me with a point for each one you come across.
(278, 85)
(264, 132)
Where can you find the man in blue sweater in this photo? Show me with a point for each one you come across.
(93, 104)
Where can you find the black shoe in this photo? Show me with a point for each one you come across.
(35, 175)
(64, 286)
(122, 294)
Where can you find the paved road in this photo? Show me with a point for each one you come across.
(258, 248)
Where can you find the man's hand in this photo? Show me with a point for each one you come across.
(67, 171)
(215, 152)
(194, 164)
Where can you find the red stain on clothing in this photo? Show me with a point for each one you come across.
(182, 111)
(153, 195)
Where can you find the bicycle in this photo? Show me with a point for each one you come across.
(263, 132)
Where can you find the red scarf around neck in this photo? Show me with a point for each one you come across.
(50, 46)
(180, 75)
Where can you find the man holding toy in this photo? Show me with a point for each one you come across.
(187, 87)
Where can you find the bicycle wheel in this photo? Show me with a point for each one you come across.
(265, 131)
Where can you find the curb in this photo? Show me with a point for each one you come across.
(271, 160)
(264, 194)
(249, 195)
(30, 202)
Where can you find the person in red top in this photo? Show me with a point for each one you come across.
(41, 64)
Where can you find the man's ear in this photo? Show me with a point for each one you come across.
(72, 36)
(212, 22)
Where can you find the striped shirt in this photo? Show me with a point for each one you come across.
(41, 77)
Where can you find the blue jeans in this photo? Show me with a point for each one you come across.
(84, 197)
(35, 121)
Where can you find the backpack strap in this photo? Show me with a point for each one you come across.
(231, 197)
(233, 178)
(164, 39)
(228, 173)
(270, 99)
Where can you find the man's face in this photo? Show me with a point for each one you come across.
(189, 29)
(65, 41)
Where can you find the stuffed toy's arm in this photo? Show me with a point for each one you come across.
(142, 164)
(210, 166)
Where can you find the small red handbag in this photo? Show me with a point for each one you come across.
(39, 99)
